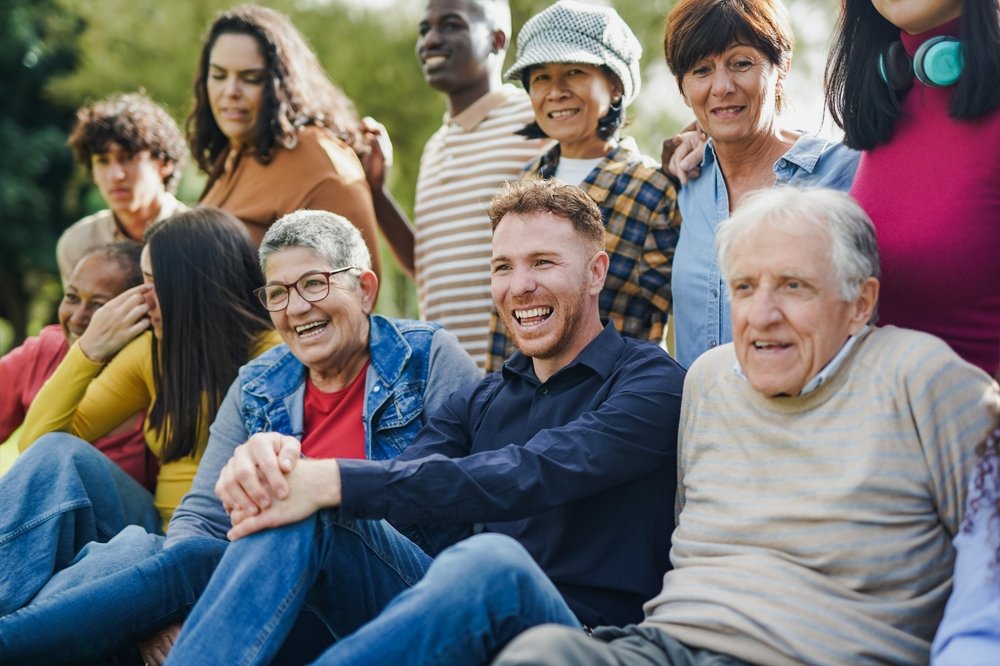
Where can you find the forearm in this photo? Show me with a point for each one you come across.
(396, 227)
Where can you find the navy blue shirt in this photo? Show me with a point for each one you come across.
(581, 469)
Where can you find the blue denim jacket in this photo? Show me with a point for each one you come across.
(414, 366)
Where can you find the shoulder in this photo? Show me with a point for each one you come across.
(825, 162)
(320, 153)
(714, 367)
(646, 362)
(101, 222)
(634, 171)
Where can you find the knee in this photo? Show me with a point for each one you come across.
(490, 557)
(57, 449)
(544, 644)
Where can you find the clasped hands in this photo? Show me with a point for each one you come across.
(267, 484)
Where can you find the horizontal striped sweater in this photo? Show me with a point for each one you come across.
(818, 529)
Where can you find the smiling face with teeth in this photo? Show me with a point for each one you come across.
(546, 279)
(789, 317)
(329, 336)
(569, 101)
(459, 50)
(734, 93)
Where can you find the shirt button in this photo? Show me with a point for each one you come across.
(715, 293)
(375, 389)
(782, 163)
(544, 390)
(712, 342)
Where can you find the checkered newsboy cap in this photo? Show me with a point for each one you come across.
(571, 31)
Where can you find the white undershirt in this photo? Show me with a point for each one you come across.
(572, 171)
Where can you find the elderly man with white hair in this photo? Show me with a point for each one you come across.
(821, 465)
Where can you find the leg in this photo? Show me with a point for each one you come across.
(347, 570)
(476, 596)
(61, 494)
(94, 609)
(634, 645)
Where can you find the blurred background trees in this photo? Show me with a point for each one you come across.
(58, 54)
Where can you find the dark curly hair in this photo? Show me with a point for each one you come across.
(297, 92)
(134, 122)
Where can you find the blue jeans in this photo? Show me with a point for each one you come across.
(61, 494)
(361, 578)
(475, 598)
(344, 571)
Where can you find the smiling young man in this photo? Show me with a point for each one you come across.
(461, 47)
(566, 458)
(821, 469)
(134, 151)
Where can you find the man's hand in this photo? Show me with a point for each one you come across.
(115, 324)
(255, 475)
(313, 485)
(377, 159)
(155, 648)
(682, 153)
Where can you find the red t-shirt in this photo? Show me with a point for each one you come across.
(334, 422)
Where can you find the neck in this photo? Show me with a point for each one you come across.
(546, 367)
(753, 158)
(338, 379)
(134, 222)
(460, 100)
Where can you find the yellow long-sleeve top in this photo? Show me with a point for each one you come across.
(89, 399)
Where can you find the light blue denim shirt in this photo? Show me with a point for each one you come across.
(701, 303)
(414, 366)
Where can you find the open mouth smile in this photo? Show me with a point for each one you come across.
(532, 316)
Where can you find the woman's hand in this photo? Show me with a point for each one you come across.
(115, 324)
(155, 648)
(255, 475)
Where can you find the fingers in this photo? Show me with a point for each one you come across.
(255, 475)
(155, 648)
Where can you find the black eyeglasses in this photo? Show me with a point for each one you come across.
(312, 287)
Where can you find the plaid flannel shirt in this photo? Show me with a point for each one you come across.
(642, 222)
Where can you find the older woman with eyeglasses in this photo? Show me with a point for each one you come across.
(347, 383)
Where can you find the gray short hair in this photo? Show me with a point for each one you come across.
(326, 233)
(854, 251)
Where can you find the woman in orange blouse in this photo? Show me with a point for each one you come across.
(271, 130)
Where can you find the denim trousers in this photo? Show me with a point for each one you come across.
(378, 593)
(60, 495)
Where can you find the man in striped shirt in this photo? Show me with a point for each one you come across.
(461, 49)
(821, 465)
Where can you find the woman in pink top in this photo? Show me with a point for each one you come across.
(914, 85)
(98, 276)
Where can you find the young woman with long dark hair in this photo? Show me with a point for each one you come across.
(914, 85)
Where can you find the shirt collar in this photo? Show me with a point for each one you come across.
(599, 355)
(476, 113)
(827, 371)
(805, 153)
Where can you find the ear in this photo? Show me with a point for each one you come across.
(498, 41)
(166, 169)
(368, 283)
(864, 305)
(598, 272)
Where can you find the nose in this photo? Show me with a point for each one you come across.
(79, 319)
(764, 310)
(296, 304)
(722, 82)
(557, 88)
(233, 87)
(116, 170)
(429, 40)
(522, 282)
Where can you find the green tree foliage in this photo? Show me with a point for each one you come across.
(37, 42)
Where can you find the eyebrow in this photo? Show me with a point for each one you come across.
(212, 65)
